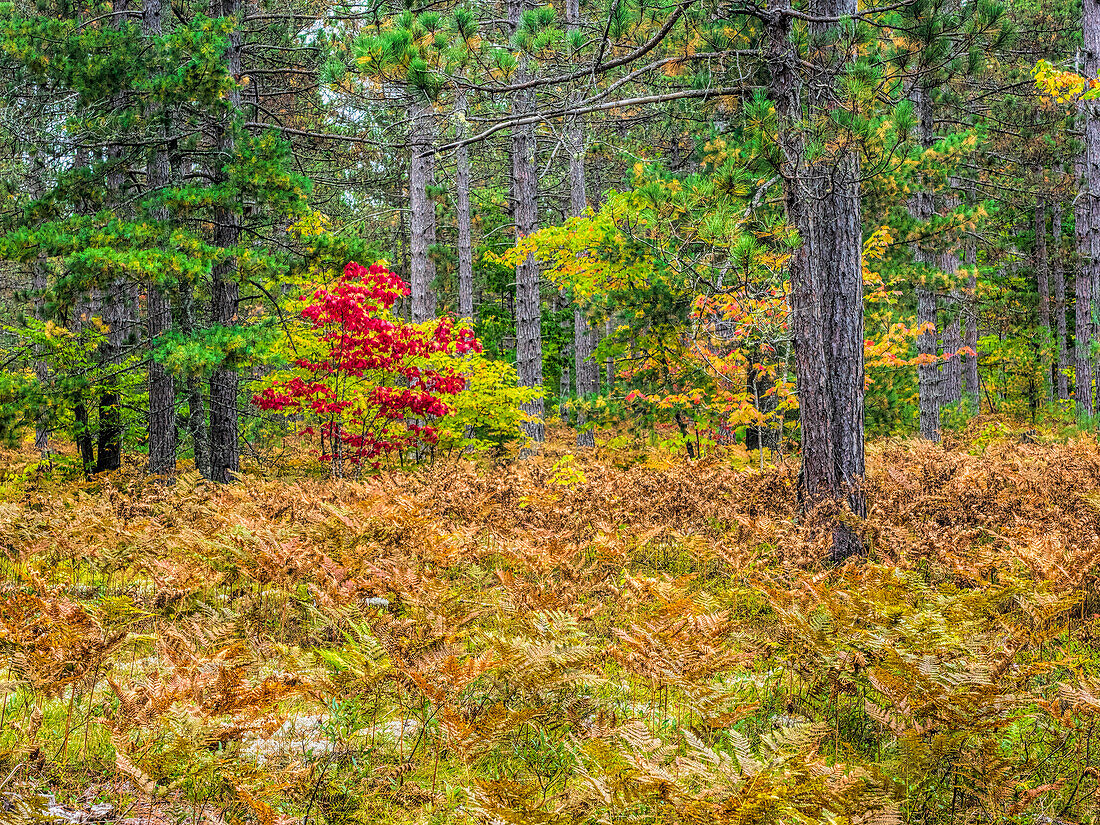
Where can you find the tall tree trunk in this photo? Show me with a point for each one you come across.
(462, 208)
(421, 210)
(39, 284)
(1042, 281)
(225, 453)
(525, 196)
(162, 387)
(109, 446)
(822, 200)
(41, 368)
(584, 336)
(1088, 213)
(970, 332)
(1058, 285)
(921, 208)
(196, 405)
(951, 340)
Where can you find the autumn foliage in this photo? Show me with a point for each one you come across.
(370, 390)
(563, 641)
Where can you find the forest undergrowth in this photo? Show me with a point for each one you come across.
(561, 640)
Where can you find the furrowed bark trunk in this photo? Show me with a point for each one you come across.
(843, 281)
(802, 190)
(462, 208)
(196, 405)
(39, 283)
(421, 211)
(921, 208)
(225, 453)
(1058, 287)
(41, 368)
(1042, 280)
(1088, 214)
(951, 340)
(822, 200)
(109, 446)
(525, 194)
(970, 332)
(584, 336)
(162, 386)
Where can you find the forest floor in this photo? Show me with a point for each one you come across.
(563, 640)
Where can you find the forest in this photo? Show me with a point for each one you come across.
(606, 411)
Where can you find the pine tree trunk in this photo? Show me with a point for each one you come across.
(843, 282)
(1088, 213)
(951, 339)
(584, 336)
(421, 211)
(462, 208)
(821, 192)
(41, 368)
(525, 196)
(921, 208)
(971, 385)
(196, 406)
(162, 387)
(225, 289)
(39, 283)
(1042, 280)
(1058, 286)
(109, 446)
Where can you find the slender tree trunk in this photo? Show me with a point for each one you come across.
(109, 447)
(951, 340)
(584, 335)
(928, 373)
(196, 406)
(39, 284)
(421, 211)
(1088, 214)
(162, 387)
(41, 368)
(1058, 285)
(970, 333)
(225, 453)
(921, 208)
(1042, 280)
(462, 207)
(525, 195)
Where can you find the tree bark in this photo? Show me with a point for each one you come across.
(462, 208)
(1088, 214)
(586, 370)
(1058, 287)
(225, 289)
(951, 339)
(821, 193)
(109, 442)
(970, 332)
(196, 405)
(525, 197)
(421, 210)
(1042, 281)
(921, 208)
(162, 387)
